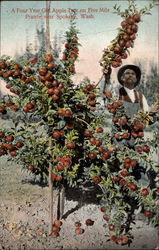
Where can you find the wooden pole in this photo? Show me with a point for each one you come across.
(47, 33)
(50, 192)
(62, 201)
(107, 80)
(48, 50)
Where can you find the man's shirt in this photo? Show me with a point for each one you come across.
(131, 95)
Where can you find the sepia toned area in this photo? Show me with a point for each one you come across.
(112, 156)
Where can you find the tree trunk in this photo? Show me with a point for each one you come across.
(48, 50)
(61, 202)
(47, 33)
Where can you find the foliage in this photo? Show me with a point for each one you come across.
(80, 149)
(118, 50)
(133, 174)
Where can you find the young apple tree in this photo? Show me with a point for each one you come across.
(58, 134)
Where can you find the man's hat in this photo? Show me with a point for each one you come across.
(136, 69)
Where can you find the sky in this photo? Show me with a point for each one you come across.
(96, 33)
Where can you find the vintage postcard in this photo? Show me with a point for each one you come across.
(79, 124)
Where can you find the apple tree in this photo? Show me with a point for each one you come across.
(59, 133)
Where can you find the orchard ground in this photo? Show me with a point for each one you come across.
(25, 215)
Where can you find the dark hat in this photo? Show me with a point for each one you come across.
(136, 69)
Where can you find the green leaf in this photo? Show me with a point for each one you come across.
(61, 124)
(50, 112)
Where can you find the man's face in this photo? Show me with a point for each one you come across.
(129, 78)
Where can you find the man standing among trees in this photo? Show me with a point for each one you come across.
(129, 77)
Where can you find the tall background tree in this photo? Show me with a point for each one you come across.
(149, 86)
(47, 34)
